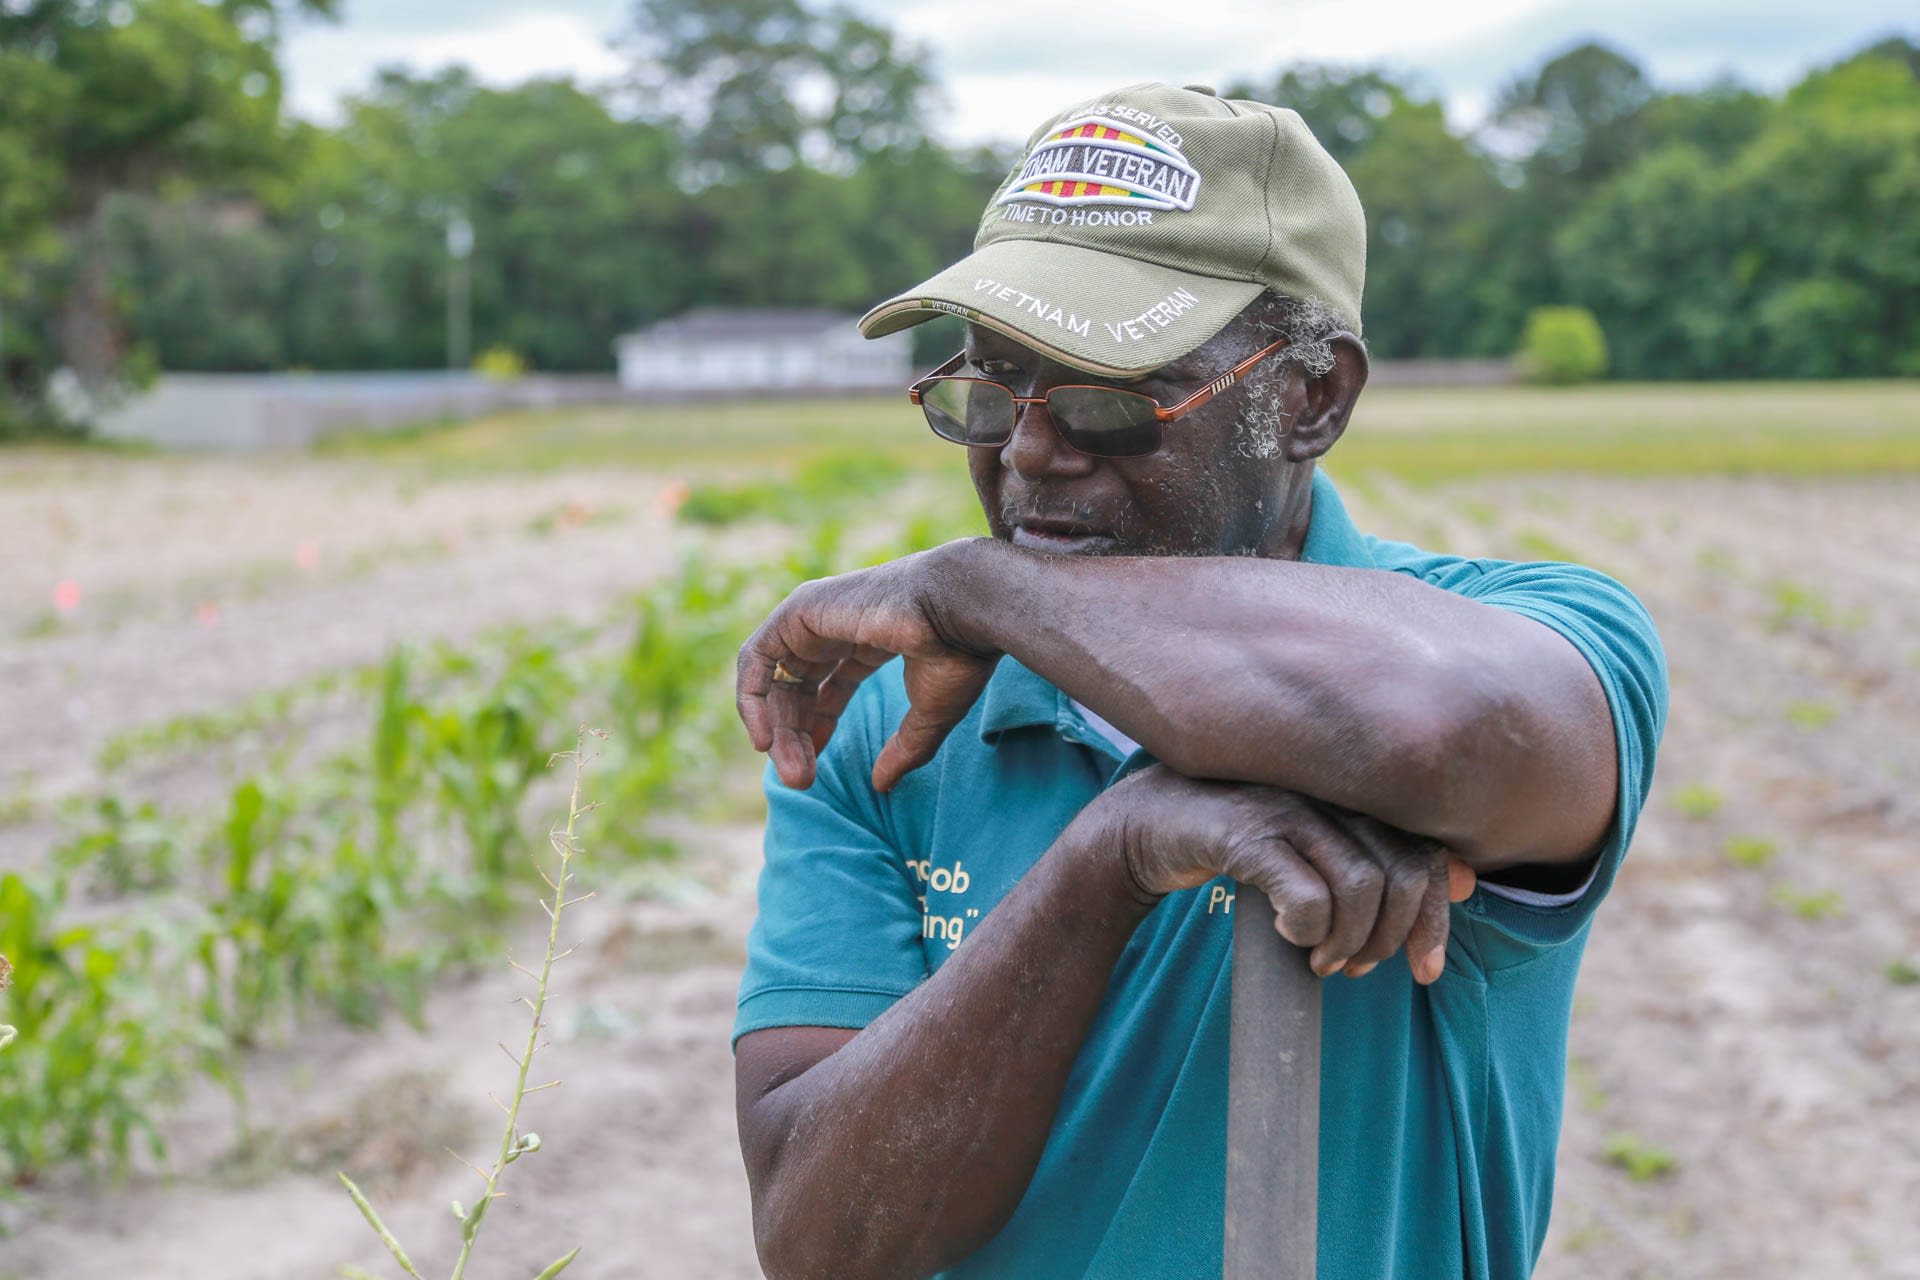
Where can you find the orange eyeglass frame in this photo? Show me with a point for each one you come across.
(916, 392)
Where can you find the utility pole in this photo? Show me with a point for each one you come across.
(1273, 1102)
(459, 292)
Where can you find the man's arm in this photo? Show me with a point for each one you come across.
(1438, 714)
(1434, 713)
(894, 1152)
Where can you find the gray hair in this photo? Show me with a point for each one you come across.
(1309, 326)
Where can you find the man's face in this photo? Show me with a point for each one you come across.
(1214, 487)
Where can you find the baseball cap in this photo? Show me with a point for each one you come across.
(1139, 222)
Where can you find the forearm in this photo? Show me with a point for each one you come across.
(1368, 690)
(911, 1145)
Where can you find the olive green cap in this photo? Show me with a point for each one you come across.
(1138, 223)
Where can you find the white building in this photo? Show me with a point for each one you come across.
(761, 350)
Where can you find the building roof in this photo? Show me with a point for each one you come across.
(734, 324)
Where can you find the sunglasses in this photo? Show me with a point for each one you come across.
(1107, 422)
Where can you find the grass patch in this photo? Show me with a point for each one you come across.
(1698, 801)
(1903, 973)
(1432, 434)
(819, 485)
(1642, 1161)
(1750, 851)
(1420, 434)
(1811, 715)
(1539, 546)
(1796, 602)
(1715, 560)
(1585, 1085)
(721, 434)
(1813, 906)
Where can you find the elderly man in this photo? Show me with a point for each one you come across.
(983, 1028)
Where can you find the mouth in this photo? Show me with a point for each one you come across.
(1062, 537)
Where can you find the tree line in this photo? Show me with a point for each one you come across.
(159, 210)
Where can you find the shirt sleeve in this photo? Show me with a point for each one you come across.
(1614, 633)
(837, 939)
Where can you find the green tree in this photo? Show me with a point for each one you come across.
(577, 225)
(1431, 205)
(131, 95)
(1345, 107)
(1562, 346)
(756, 85)
(1795, 257)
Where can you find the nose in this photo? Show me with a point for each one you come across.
(1036, 449)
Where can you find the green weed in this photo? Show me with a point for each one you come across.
(1586, 1085)
(1810, 905)
(515, 1144)
(1811, 715)
(1620, 528)
(1539, 546)
(1642, 1161)
(1716, 561)
(1797, 603)
(1902, 972)
(1698, 801)
(1750, 851)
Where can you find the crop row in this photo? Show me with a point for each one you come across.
(158, 948)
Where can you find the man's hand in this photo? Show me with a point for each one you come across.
(831, 634)
(1353, 889)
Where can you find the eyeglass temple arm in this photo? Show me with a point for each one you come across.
(1219, 384)
(919, 385)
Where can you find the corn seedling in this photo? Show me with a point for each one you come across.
(513, 1143)
(1750, 851)
(1642, 1161)
(1698, 801)
(131, 850)
(352, 885)
(90, 1057)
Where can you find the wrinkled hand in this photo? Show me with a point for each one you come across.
(833, 633)
(1351, 888)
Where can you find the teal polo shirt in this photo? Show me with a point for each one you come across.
(1440, 1106)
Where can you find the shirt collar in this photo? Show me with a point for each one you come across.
(1016, 698)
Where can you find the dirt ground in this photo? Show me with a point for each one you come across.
(1748, 1023)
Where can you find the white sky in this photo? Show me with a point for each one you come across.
(1003, 74)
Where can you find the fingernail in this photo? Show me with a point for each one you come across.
(1436, 962)
(1325, 966)
(1361, 971)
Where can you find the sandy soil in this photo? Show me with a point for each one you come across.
(1771, 1056)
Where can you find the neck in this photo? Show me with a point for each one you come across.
(1286, 537)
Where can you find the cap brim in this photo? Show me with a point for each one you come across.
(1100, 312)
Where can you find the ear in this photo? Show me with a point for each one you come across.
(1319, 407)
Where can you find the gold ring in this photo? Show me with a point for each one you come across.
(783, 676)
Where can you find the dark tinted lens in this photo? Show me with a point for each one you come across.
(1106, 422)
(968, 411)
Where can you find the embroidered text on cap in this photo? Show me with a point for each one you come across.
(1097, 160)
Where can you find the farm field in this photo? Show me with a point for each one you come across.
(1744, 1073)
